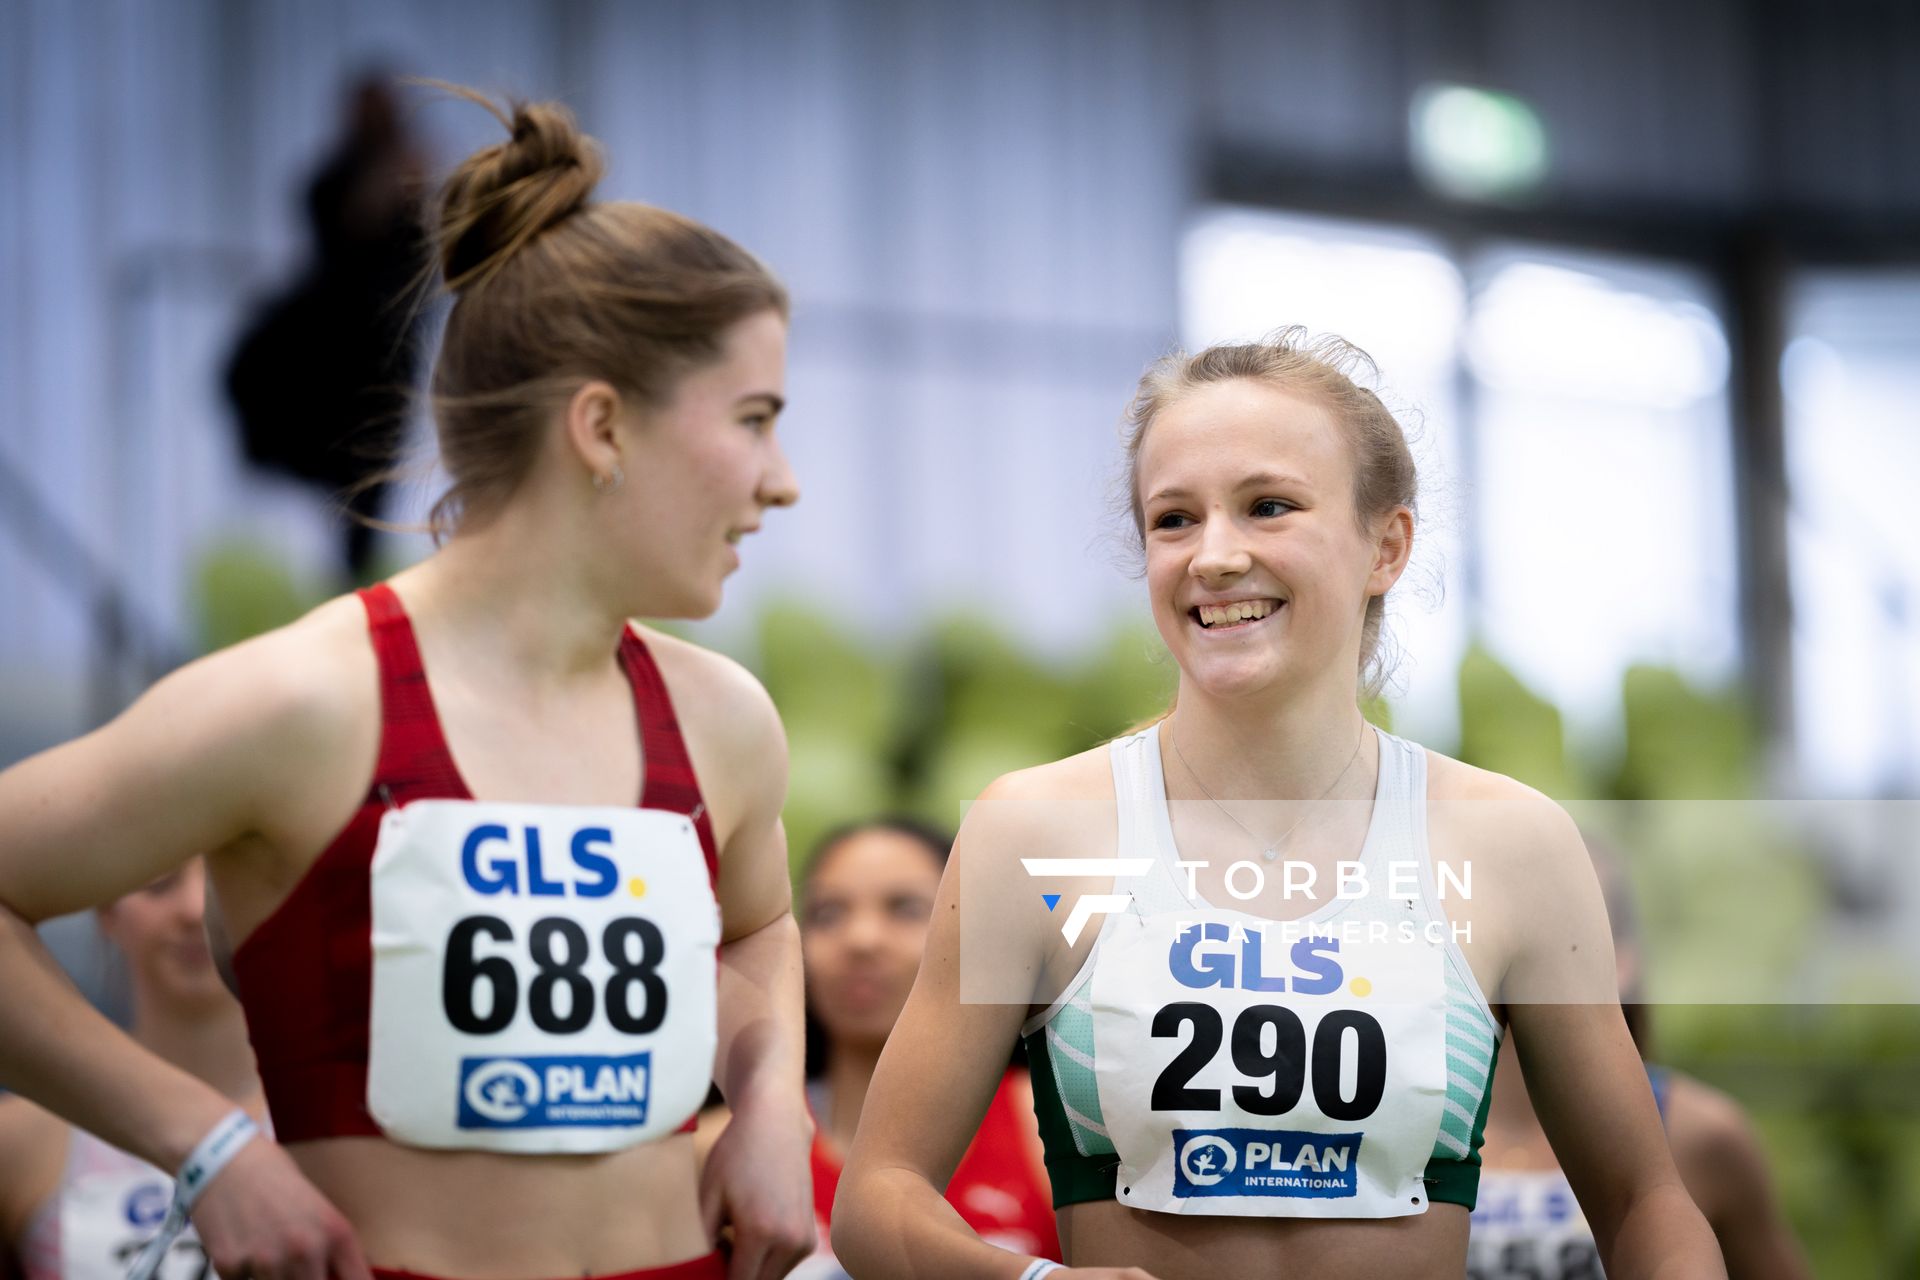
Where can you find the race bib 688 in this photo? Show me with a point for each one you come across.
(543, 976)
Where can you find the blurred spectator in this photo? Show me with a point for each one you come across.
(73, 1207)
(865, 899)
(322, 378)
(1527, 1223)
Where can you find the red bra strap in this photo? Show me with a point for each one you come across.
(414, 755)
(670, 783)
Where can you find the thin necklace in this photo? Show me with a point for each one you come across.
(1270, 850)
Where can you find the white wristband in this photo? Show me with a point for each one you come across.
(222, 1144)
(208, 1157)
(1039, 1267)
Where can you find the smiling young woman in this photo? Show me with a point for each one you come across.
(1234, 1074)
(477, 838)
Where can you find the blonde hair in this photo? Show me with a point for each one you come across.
(1321, 370)
(552, 289)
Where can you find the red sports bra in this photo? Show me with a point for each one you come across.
(305, 974)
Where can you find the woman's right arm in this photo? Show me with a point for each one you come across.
(191, 767)
(943, 1061)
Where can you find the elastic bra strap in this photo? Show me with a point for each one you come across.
(220, 1146)
(1039, 1267)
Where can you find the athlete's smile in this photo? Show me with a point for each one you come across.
(1235, 615)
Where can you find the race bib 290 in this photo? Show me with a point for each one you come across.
(1252, 1068)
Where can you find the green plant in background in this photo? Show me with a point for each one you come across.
(240, 591)
(1683, 743)
(1125, 682)
(981, 708)
(840, 702)
(921, 728)
(1378, 712)
(1508, 728)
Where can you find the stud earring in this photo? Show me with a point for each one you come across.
(605, 484)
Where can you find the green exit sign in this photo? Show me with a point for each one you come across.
(1474, 144)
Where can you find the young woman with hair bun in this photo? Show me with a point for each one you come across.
(502, 872)
(1260, 1044)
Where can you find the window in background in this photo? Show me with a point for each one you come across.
(1851, 374)
(1603, 482)
(1571, 426)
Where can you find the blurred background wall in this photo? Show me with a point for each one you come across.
(1644, 275)
(992, 215)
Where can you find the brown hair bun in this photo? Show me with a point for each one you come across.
(553, 288)
(502, 196)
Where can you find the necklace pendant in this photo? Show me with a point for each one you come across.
(1270, 853)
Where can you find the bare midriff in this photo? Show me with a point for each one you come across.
(1426, 1246)
(471, 1215)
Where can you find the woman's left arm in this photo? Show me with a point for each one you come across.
(1586, 1079)
(757, 1175)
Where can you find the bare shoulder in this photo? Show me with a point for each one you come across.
(253, 743)
(1086, 776)
(718, 702)
(1474, 808)
(295, 707)
(33, 1147)
(733, 734)
(1536, 924)
(1060, 809)
(298, 679)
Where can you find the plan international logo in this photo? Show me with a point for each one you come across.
(1266, 1162)
(551, 1092)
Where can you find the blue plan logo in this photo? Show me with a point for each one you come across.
(147, 1204)
(554, 1092)
(1265, 1162)
(1208, 1158)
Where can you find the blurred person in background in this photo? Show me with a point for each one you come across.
(73, 1207)
(323, 375)
(1186, 1136)
(1528, 1225)
(478, 840)
(865, 901)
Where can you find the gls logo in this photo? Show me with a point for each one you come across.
(1195, 963)
(491, 862)
(1087, 905)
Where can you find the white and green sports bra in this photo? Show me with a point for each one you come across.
(1208, 1061)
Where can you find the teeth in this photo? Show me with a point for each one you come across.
(1215, 615)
